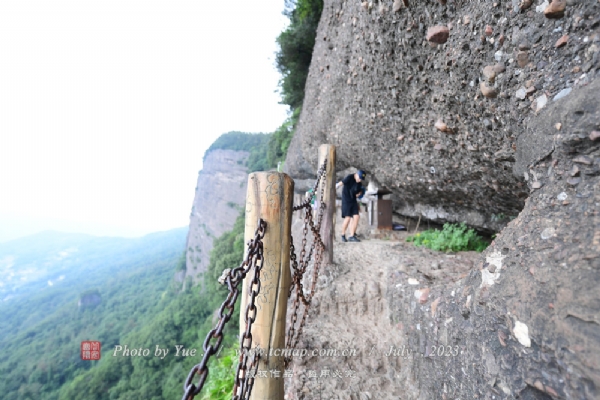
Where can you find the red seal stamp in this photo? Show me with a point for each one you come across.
(90, 350)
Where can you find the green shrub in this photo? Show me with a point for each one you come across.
(221, 377)
(453, 237)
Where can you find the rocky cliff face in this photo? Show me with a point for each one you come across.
(514, 147)
(414, 113)
(220, 194)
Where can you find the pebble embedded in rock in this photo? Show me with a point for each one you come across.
(524, 46)
(397, 5)
(562, 196)
(442, 127)
(573, 181)
(525, 4)
(499, 68)
(595, 135)
(556, 9)
(541, 102)
(466, 20)
(488, 30)
(562, 94)
(521, 332)
(562, 41)
(536, 185)
(574, 171)
(522, 58)
(583, 160)
(502, 338)
(548, 233)
(542, 6)
(438, 34)
(521, 94)
(489, 73)
(422, 295)
(488, 91)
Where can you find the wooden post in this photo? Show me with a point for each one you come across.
(327, 225)
(418, 223)
(270, 197)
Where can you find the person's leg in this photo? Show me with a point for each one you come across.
(354, 224)
(345, 224)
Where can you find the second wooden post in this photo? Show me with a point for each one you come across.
(327, 151)
(270, 197)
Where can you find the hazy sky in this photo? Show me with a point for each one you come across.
(107, 107)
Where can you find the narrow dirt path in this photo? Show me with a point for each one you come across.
(355, 347)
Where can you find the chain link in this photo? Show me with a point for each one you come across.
(243, 381)
(300, 266)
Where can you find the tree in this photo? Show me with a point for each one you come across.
(296, 45)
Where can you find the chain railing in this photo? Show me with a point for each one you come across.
(243, 380)
(299, 266)
(249, 360)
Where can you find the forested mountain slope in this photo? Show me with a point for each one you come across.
(42, 325)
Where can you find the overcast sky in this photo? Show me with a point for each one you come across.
(107, 107)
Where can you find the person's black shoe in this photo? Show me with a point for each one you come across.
(344, 238)
(353, 239)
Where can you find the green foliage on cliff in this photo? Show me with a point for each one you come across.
(266, 149)
(220, 384)
(281, 138)
(296, 45)
(238, 141)
(293, 59)
(453, 237)
(227, 252)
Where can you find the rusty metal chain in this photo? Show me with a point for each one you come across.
(320, 175)
(299, 266)
(243, 380)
